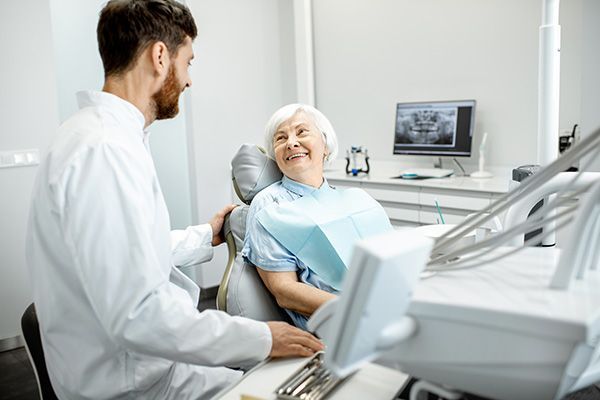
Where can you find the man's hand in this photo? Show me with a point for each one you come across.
(289, 341)
(216, 224)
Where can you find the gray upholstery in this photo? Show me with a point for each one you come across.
(252, 171)
(247, 295)
(237, 225)
(242, 291)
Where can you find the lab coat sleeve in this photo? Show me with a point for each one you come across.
(109, 208)
(192, 246)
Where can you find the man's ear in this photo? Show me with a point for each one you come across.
(160, 58)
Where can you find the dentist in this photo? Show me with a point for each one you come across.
(117, 319)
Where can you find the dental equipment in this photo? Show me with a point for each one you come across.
(521, 322)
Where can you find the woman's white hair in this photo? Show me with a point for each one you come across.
(320, 121)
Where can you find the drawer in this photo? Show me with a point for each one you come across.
(402, 225)
(431, 217)
(470, 202)
(402, 214)
(394, 196)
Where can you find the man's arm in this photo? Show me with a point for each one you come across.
(109, 228)
(194, 245)
(293, 294)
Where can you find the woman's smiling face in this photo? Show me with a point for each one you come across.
(300, 149)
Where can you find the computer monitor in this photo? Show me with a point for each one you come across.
(370, 314)
(441, 128)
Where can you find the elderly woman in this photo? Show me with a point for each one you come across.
(283, 234)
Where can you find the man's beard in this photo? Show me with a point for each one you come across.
(166, 100)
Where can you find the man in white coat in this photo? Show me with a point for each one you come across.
(117, 319)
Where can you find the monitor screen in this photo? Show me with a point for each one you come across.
(435, 128)
(370, 314)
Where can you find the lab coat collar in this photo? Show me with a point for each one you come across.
(127, 112)
(300, 188)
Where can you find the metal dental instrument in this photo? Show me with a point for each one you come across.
(311, 382)
(302, 376)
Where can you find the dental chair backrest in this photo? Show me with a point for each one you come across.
(242, 291)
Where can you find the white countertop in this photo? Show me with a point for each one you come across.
(492, 185)
(370, 382)
(383, 172)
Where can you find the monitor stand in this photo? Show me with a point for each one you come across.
(437, 164)
(423, 173)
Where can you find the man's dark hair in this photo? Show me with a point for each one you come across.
(128, 27)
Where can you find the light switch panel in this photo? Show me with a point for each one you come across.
(19, 158)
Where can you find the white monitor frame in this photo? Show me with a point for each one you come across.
(370, 315)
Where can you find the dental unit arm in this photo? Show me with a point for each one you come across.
(525, 325)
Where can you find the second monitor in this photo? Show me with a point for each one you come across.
(441, 128)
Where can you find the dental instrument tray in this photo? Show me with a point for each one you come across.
(311, 382)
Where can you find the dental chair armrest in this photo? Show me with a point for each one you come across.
(231, 254)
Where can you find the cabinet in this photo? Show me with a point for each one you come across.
(412, 202)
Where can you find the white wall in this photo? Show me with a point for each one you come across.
(371, 55)
(79, 67)
(29, 115)
(237, 90)
(590, 97)
(242, 72)
(53, 54)
(78, 64)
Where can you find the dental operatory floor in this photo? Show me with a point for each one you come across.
(17, 381)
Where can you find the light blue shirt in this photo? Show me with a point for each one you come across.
(263, 250)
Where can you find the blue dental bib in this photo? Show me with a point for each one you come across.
(321, 228)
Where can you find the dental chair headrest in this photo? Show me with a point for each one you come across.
(252, 171)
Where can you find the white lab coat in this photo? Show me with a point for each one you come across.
(117, 319)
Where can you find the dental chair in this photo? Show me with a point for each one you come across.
(242, 291)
